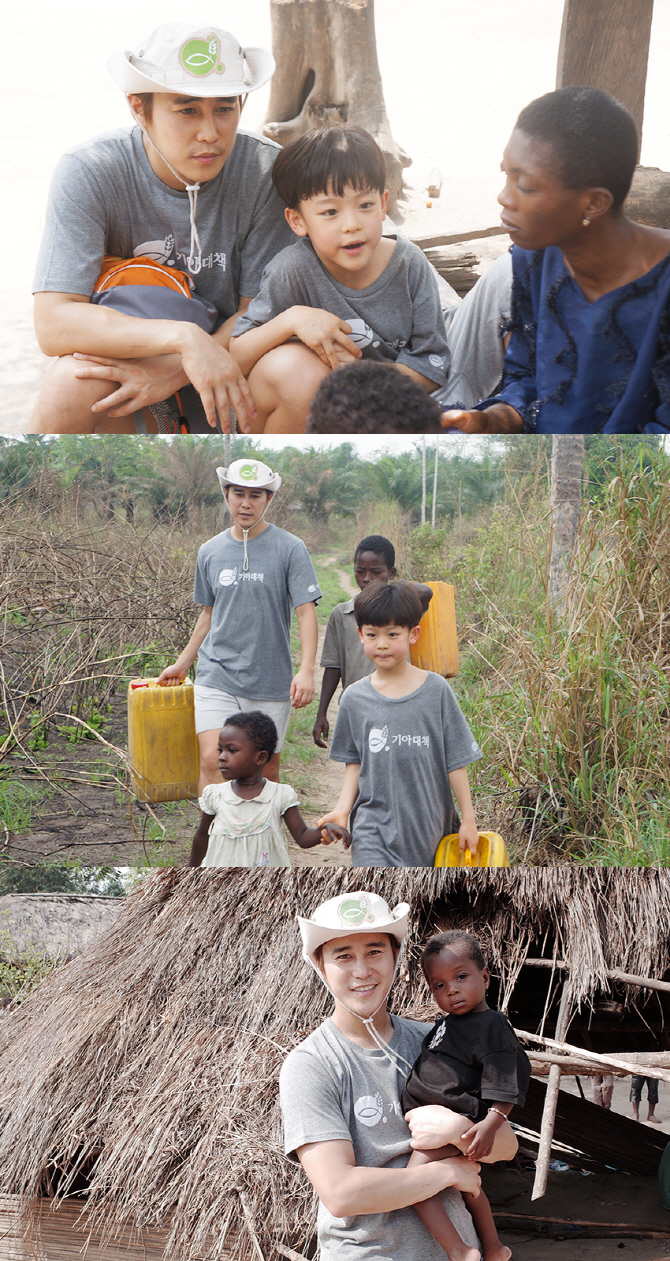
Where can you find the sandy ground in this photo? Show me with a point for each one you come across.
(455, 75)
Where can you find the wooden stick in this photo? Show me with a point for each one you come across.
(615, 974)
(550, 1102)
(288, 1252)
(663, 1074)
(455, 238)
(619, 1228)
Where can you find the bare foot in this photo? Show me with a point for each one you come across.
(654, 1120)
(499, 1253)
(465, 1254)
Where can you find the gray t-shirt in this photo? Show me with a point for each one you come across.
(330, 1088)
(248, 649)
(342, 649)
(106, 199)
(398, 317)
(406, 748)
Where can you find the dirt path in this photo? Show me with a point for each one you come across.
(328, 775)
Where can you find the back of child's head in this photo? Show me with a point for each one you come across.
(327, 161)
(372, 397)
(458, 940)
(387, 604)
(379, 546)
(258, 727)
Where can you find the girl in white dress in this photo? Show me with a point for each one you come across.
(241, 820)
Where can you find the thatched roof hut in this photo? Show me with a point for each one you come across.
(144, 1072)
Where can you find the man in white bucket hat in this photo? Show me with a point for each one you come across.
(249, 579)
(340, 1095)
(184, 190)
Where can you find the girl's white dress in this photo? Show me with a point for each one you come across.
(247, 833)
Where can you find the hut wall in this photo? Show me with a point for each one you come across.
(61, 1236)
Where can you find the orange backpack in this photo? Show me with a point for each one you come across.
(140, 271)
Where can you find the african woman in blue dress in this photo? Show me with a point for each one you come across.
(589, 350)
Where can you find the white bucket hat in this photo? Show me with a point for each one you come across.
(358, 912)
(249, 473)
(191, 60)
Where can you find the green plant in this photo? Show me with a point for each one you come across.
(19, 803)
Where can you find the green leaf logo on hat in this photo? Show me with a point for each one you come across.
(200, 57)
(248, 471)
(355, 911)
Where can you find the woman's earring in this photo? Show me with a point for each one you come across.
(586, 221)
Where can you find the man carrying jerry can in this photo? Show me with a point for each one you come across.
(249, 579)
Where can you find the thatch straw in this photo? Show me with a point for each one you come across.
(149, 1064)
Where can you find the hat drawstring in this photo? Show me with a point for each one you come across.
(245, 564)
(394, 1057)
(194, 266)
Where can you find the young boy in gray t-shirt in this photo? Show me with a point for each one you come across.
(405, 741)
(343, 290)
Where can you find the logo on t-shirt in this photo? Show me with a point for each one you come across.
(361, 333)
(369, 1109)
(437, 1036)
(436, 360)
(159, 251)
(227, 577)
(377, 739)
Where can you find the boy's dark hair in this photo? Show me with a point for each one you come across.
(455, 937)
(383, 604)
(380, 546)
(372, 397)
(319, 162)
(258, 727)
(594, 138)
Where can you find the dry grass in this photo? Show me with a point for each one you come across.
(147, 1068)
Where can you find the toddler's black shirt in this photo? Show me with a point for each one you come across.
(467, 1061)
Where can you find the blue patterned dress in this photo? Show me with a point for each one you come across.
(574, 366)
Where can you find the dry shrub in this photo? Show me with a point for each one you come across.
(574, 710)
(80, 602)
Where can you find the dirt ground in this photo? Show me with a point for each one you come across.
(611, 1197)
(100, 824)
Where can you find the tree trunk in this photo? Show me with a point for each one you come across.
(607, 46)
(327, 73)
(567, 457)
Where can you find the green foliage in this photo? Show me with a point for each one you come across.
(72, 877)
(19, 803)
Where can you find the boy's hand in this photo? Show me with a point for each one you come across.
(468, 836)
(172, 676)
(335, 816)
(481, 1136)
(302, 689)
(334, 832)
(325, 334)
(320, 731)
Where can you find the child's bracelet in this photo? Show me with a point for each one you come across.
(500, 1114)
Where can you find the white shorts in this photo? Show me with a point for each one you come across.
(212, 707)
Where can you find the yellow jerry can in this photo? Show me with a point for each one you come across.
(162, 743)
(491, 852)
(437, 646)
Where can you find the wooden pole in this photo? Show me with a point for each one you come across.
(423, 480)
(607, 46)
(615, 974)
(434, 504)
(663, 1074)
(550, 1102)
